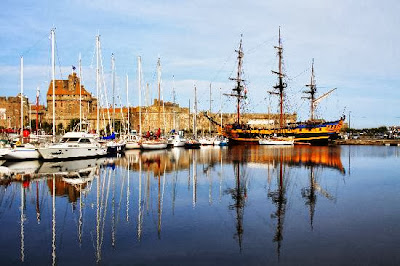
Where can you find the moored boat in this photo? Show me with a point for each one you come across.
(313, 131)
(22, 152)
(132, 142)
(73, 145)
(154, 144)
(192, 144)
(177, 140)
(276, 141)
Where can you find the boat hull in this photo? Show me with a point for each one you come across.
(192, 145)
(22, 154)
(60, 153)
(132, 145)
(154, 145)
(115, 148)
(275, 142)
(313, 133)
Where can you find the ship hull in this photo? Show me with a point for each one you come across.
(304, 133)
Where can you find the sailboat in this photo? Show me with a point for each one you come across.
(74, 144)
(156, 142)
(133, 141)
(23, 151)
(314, 132)
(114, 146)
(194, 143)
(280, 86)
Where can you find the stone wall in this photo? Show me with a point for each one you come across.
(10, 112)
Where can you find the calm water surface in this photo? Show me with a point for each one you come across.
(213, 206)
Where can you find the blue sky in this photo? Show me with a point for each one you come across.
(355, 45)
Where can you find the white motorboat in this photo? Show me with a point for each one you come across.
(73, 145)
(154, 144)
(277, 141)
(132, 142)
(23, 152)
(221, 141)
(114, 147)
(177, 140)
(206, 141)
(4, 151)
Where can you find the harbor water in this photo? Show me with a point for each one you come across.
(258, 205)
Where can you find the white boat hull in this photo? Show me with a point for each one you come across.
(276, 142)
(132, 145)
(150, 145)
(206, 141)
(180, 143)
(22, 154)
(4, 151)
(57, 152)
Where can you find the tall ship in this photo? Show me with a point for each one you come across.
(312, 132)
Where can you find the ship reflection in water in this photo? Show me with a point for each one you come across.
(236, 205)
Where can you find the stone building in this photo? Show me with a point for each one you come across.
(163, 115)
(10, 112)
(67, 101)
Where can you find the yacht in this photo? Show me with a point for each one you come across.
(22, 152)
(74, 145)
(154, 144)
(206, 141)
(177, 140)
(132, 142)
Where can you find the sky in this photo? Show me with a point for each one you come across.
(355, 46)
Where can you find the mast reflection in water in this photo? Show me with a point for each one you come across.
(231, 205)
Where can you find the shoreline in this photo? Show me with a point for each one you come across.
(376, 142)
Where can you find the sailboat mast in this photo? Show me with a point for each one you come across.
(281, 85)
(159, 91)
(312, 91)
(189, 116)
(53, 67)
(174, 100)
(195, 113)
(280, 81)
(140, 93)
(80, 92)
(239, 87)
(127, 104)
(98, 84)
(37, 109)
(22, 99)
(113, 90)
(147, 104)
(220, 98)
(209, 113)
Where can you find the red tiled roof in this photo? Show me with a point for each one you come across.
(61, 88)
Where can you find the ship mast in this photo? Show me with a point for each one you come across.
(312, 91)
(159, 88)
(37, 110)
(237, 91)
(280, 86)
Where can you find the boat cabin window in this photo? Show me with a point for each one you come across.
(84, 141)
(69, 139)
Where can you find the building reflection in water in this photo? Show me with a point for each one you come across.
(99, 183)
